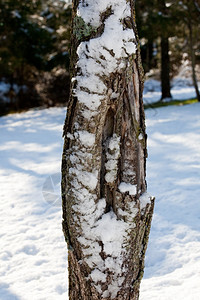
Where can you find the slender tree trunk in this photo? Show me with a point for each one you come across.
(165, 63)
(149, 54)
(192, 56)
(106, 209)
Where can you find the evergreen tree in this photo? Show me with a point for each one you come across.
(34, 38)
(24, 42)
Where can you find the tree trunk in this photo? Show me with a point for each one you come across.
(106, 209)
(192, 56)
(165, 63)
(150, 55)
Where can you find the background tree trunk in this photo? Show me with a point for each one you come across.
(165, 63)
(106, 210)
(150, 54)
(192, 56)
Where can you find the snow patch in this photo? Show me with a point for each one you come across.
(97, 275)
(70, 136)
(95, 8)
(111, 232)
(145, 199)
(181, 89)
(86, 138)
(127, 187)
(140, 137)
(112, 156)
(88, 179)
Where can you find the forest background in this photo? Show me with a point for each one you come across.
(35, 48)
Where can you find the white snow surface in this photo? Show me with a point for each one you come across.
(33, 255)
(181, 89)
(96, 7)
(86, 138)
(173, 171)
(112, 156)
(145, 199)
(127, 187)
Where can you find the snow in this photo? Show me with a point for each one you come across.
(181, 89)
(111, 232)
(112, 156)
(87, 179)
(103, 55)
(127, 187)
(96, 275)
(86, 138)
(33, 253)
(96, 7)
(173, 171)
(112, 238)
(144, 200)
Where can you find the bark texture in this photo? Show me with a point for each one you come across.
(119, 149)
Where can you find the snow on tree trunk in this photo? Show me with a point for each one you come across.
(106, 209)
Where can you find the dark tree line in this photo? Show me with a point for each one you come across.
(34, 52)
(168, 30)
(35, 43)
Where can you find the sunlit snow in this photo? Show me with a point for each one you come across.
(33, 252)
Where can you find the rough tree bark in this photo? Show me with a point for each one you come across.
(106, 210)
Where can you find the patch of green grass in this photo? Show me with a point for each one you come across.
(172, 102)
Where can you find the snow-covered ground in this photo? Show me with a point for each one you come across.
(33, 252)
(173, 172)
(181, 89)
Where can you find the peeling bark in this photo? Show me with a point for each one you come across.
(117, 155)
